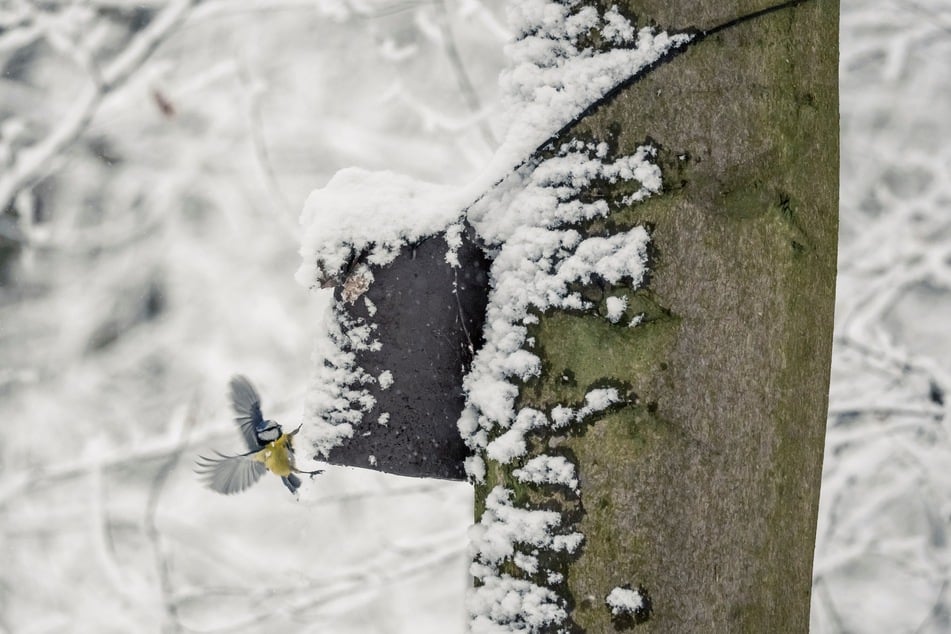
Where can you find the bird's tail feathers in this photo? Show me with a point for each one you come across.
(292, 482)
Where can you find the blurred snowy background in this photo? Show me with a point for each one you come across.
(882, 553)
(154, 155)
(148, 250)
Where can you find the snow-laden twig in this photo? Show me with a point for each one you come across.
(32, 163)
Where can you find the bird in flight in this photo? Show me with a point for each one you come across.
(269, 448)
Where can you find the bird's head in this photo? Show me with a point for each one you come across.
(269, 432)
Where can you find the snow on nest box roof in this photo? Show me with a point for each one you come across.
(361, 211)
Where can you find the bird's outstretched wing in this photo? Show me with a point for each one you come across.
(247, 406)
(229, 474)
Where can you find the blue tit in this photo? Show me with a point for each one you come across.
(269, 448)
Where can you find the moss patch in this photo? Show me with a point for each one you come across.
(622, 354)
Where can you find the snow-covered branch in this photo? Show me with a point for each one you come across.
(32, 163)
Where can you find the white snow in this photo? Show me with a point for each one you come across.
(475, 467)
(371, 307)
(337, 399)
(543, 195)
(546, 469)
(371, 213)
(617, 28)
(532, 272)
(615, 308)
(551, 80)
(511, 444)
(528, 563)
(503, 526)
(598, 400)
(519, 205)
(526, 217)
(503, 603)
(624, 601)
(550, 84)
(454, 240)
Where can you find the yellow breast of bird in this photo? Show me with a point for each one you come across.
(276, 456)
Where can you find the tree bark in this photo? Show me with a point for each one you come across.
(703, 489)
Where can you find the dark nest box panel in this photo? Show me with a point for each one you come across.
(429, 317)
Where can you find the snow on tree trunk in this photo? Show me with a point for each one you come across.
(694, 489)
(644, 410)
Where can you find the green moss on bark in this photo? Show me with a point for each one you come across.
(625, 357)
(704, 489)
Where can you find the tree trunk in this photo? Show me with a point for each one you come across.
(702, 490)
